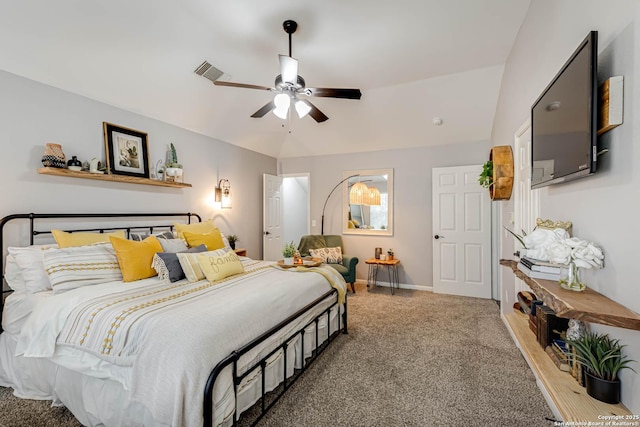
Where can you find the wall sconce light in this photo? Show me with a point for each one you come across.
(223, 194)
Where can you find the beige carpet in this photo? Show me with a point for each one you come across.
(412, 359)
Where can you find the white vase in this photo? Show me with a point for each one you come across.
(175, 172)
(288, 261)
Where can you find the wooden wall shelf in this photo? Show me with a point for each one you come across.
(571, 401)
(589, 305)
(565, 396)
(110, 177)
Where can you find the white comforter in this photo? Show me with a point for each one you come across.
(168, 350)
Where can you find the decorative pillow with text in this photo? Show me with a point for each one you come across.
(219, 267)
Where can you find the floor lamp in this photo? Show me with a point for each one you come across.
(325, 202)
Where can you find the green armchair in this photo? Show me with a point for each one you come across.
(316, 241)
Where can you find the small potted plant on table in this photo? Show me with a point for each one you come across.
(288, 252)
(232, 238)
(390, 254)
(602, 359)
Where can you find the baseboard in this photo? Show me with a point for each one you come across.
(401, 285)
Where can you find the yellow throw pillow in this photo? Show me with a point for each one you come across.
(219, 267)
(197, 228)
(68, 240)
(190, 266)
(135, 258)
(212, 240)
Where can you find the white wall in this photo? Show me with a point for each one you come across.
(603, 208)
(411, 239)
(32, 114)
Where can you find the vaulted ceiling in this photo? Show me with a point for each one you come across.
(414, 60)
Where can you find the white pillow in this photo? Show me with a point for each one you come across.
(30, 261)
(13, 275)
(72, 267)
(173, 245)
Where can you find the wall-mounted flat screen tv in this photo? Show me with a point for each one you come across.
(564, 120)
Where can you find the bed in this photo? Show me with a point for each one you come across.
(156, 353)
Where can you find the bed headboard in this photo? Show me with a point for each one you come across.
(42, 224)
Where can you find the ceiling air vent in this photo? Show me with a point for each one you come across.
(208, 71)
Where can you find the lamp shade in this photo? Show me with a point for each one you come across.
(359, 194)
(374, 196)
(302, 108)
(282, 102)
(223, 194)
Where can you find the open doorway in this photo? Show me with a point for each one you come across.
(296, 203)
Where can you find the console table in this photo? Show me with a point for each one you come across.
(392, 270)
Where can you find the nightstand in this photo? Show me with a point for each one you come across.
(240, 251)
(392, 271)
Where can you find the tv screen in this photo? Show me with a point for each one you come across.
(564, 120)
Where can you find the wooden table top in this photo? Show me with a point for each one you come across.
(394, 261)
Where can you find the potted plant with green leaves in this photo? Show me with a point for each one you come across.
(174, 169)
(232, 238)
(602, 359)
(288, 252)
(486, 176)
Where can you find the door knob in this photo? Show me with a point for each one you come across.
(266, 232)
(438, 237)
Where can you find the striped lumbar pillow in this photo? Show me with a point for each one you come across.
(70, 268)
(190, 265)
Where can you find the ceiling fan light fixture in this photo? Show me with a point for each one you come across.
(288, 85)
(302, 108)
(282, 102)
(281, 113)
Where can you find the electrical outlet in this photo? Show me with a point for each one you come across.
(313, 222)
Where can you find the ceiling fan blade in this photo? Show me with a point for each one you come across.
(317, 115)
(243, 85)
(264, 110)
(333, 93)
(288, 69)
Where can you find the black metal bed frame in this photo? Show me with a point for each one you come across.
(233, 358)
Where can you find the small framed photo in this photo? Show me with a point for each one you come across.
(127, 151)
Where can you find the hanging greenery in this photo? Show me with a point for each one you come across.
(486, 176)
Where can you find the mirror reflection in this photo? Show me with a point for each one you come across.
(368, 201)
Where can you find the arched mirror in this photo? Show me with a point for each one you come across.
(367, 199)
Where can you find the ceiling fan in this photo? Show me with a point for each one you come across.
(291, 89)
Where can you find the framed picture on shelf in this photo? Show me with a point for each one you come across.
(127, 151)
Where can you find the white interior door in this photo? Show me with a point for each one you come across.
(461, 232)
(272, 242)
